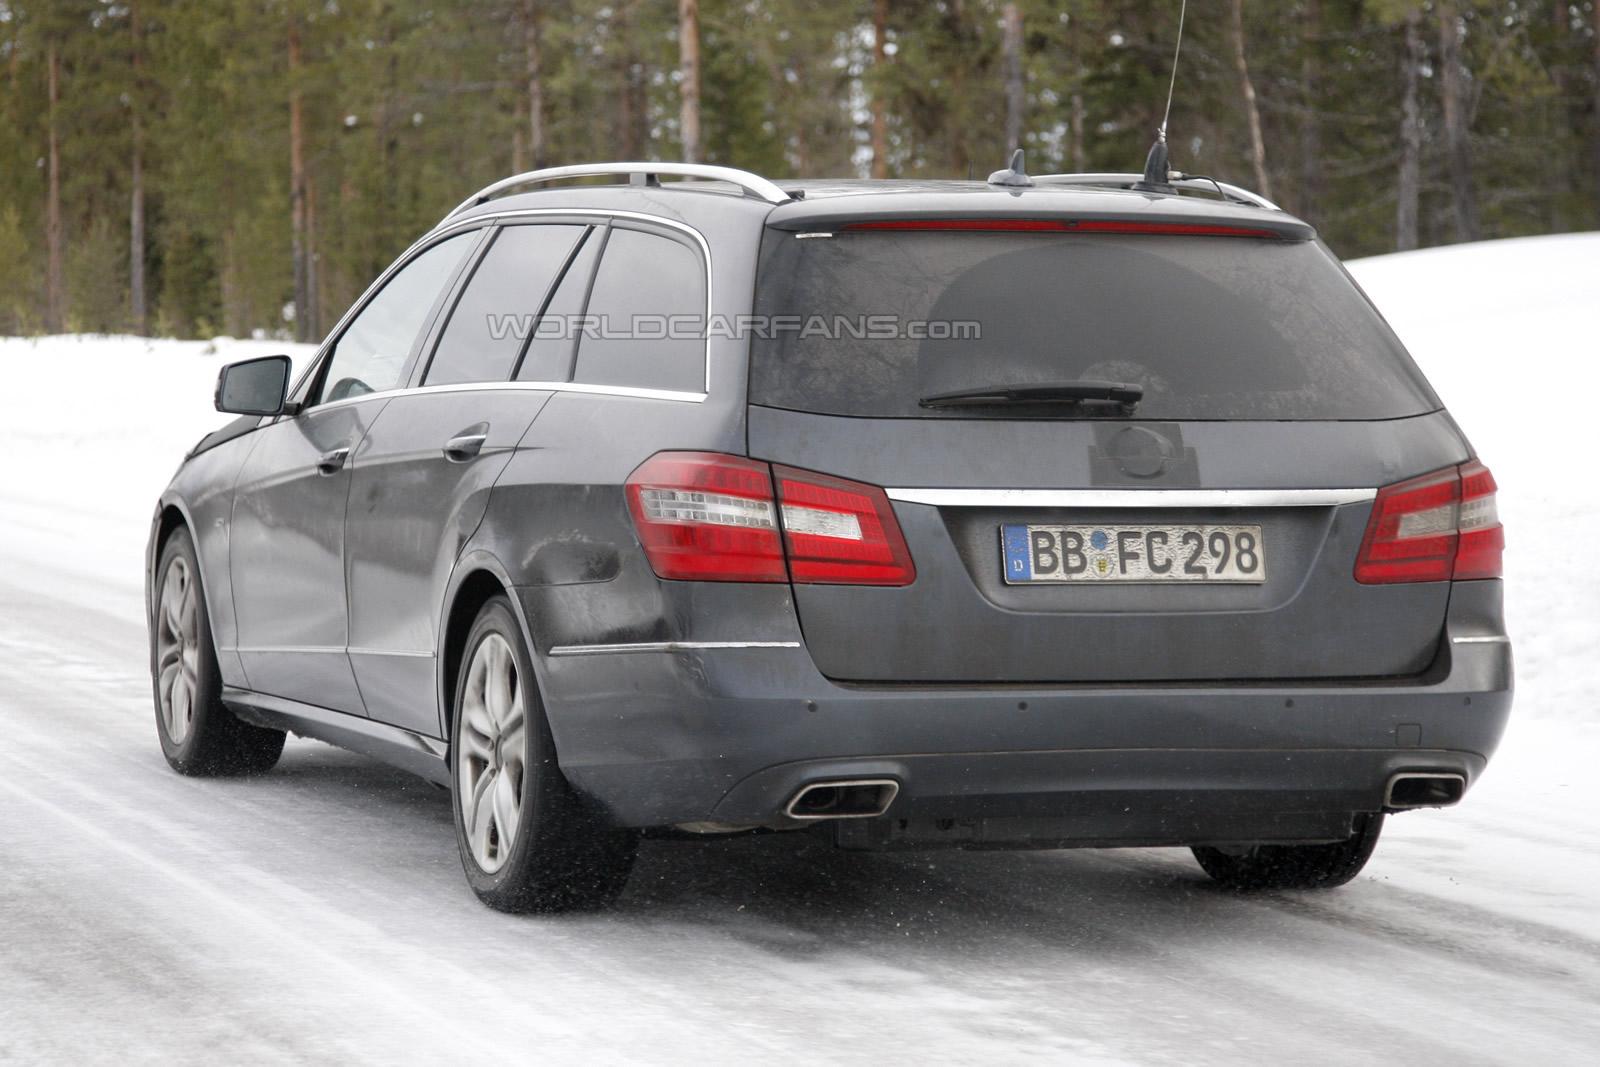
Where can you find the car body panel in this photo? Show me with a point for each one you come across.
(286, 557)
(411, 513)
(959, 621)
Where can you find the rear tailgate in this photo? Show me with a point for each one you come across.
(1275, 403)
(960, 621)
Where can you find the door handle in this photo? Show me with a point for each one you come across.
(464, 447)
(332, 462)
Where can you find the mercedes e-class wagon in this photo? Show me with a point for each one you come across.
(1074, 512)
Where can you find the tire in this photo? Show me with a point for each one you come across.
(528, 841)
(1294, 866)
(199, 736)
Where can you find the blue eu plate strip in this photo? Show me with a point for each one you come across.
(1019, 563)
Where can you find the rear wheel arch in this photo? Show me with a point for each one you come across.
(481, 581)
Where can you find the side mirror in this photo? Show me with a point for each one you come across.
(254, 386)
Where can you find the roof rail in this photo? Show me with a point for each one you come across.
(637, 174)
(1128, 181)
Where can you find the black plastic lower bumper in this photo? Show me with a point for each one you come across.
(729, 735)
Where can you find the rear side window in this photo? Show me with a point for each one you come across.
(645, 323)
(495, 315)
(866, 324)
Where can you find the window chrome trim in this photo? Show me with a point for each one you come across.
(1132, 498)
(663, 646)
(1482, 639)
(518, 387)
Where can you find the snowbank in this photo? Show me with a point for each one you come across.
(92, 429)
(1507, 333)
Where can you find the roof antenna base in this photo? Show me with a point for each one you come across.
(1157, 174)
(1015, 176)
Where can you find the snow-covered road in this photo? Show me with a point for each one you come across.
(319, 913)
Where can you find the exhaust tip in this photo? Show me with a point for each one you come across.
(1418, 789)
(859, 798)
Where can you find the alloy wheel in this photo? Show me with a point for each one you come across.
(178, 650)
(492, 758)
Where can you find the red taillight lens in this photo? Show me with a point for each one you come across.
(1483, 539)
(1433, 528)
(840, 532)
(707, 517)
(703, 516)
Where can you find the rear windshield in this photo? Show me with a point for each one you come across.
(868, 323)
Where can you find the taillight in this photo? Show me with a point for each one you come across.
(1483, 539)
(1434, 528)
(840, 532)
(704, 516)
(707, 517)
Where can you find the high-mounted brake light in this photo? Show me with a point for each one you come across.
(703, 516)
(1434, 528)
(1113, 226)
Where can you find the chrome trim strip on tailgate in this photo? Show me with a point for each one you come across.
(1132, 498)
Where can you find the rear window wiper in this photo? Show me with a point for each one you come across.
(1126, 394)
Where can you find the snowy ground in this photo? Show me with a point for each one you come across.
(320, 914)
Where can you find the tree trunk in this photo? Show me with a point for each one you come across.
(1247, 90)
(689, 68)
(1408, 185)
(880, 118)
(1595, 169)
(54, 289)
(629, 106)
(535, 76)
(1016, 91)
(1453, 96)
(1310, 124)
(136, 295)
(1080, 115)
(313, 316)
(954, 107)
(297, 190)
(519, 150)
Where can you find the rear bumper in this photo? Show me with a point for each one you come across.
(729, 735)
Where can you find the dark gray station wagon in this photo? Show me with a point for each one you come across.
(1074, 513)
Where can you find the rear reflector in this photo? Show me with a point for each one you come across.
(1434, 528)
(1114, 226)
(704, 516)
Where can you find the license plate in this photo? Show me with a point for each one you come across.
(1091, 553)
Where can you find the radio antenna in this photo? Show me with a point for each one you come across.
(1155, 164)
(1177, 50)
